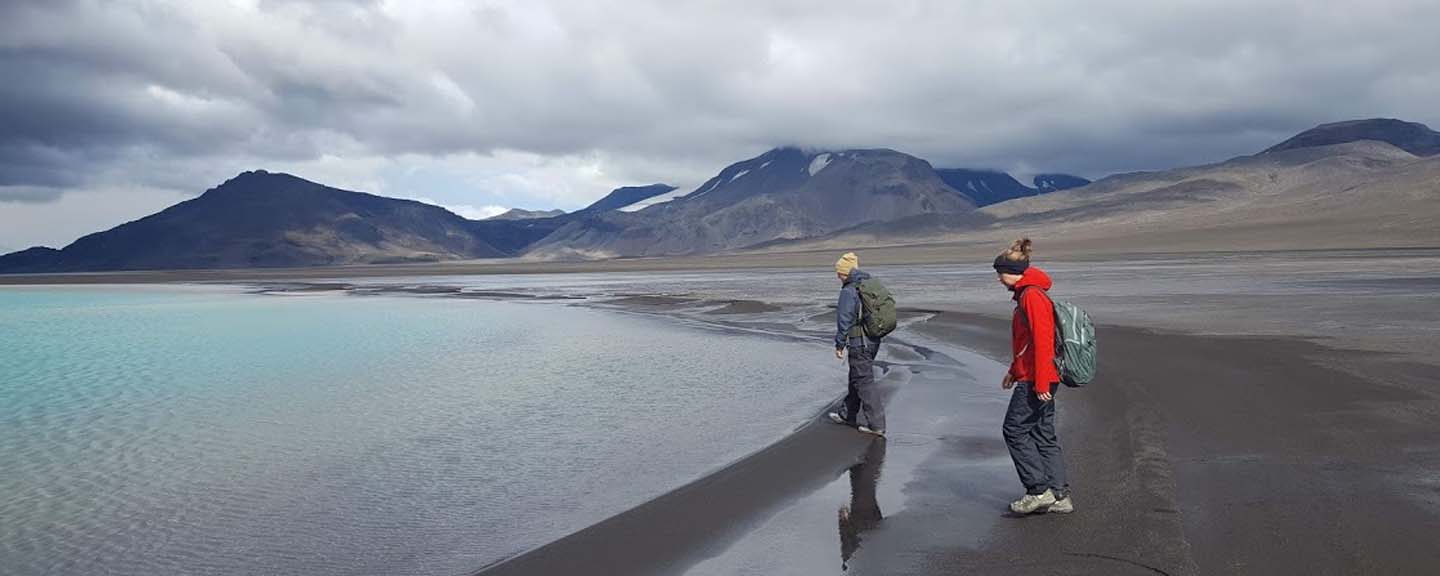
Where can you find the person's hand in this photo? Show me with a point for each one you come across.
(840, 353)
(1008, 383)
(1043, 396)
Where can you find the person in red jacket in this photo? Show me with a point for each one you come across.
(1029, 427)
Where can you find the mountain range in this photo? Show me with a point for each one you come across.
(523, 214)
(1357, 183)
(1365, 184)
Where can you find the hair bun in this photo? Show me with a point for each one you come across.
(1019, 250)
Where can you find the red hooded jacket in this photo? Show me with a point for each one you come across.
(1032, 332)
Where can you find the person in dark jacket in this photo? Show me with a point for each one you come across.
(850, 338)
(1029, 427)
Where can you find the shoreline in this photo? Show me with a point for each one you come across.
(1222, 480)
(915, 255)
(1193, 454)
(721, 512)
(672, 531)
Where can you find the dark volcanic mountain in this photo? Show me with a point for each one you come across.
(523, 214)
(988, 187)
(985, 187)
(785, 193)
(1057, 182)
(513, 235)
(37, 259)
(259, 219)
(1412, 137)
(627, 195)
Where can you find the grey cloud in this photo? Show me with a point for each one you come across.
(29, 193)
(122, 90)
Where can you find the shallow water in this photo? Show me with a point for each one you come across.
(1370, 300)
(182, 430)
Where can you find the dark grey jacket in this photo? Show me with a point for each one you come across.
(847, 310)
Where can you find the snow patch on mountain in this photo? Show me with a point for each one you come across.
(652, 201)
(819, 163)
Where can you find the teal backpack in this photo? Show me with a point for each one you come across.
(1075, 350)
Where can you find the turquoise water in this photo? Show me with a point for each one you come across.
(199, 430)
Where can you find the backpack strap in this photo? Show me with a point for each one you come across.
(859, 328)
(1021, 295)
(1059, 341)
(1020, 303)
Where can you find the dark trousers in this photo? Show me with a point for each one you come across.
(862, 395)
(1030, 434)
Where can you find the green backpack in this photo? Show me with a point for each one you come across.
(1075, 350)
(877, 308)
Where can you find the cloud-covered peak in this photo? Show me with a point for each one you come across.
(553, 104)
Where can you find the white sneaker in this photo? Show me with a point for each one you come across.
(1033, 502)
(838, 419)
(1062, 506)
(868, 430)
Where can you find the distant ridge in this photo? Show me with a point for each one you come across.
(1057, 182)
(522, 214)
(515, 235)
(29, 260)
(1412, 137)
(988, 187)
(626, 196)
(261, 219)
(985, 187)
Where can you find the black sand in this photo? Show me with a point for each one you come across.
(667, 534)
(1193, 455)
(1215, 455)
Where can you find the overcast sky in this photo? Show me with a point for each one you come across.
(110, 110)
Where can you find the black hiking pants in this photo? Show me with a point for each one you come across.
(862, 395)
(1030, 434)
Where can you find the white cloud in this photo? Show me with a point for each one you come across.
(544, 104)
(75, 214)
(467, 211)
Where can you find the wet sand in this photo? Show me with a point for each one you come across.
(669, 533)
(744, 307)
(786, 492)
(1211, 455)
(1192, 455)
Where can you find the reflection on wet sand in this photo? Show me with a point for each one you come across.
(863, 512)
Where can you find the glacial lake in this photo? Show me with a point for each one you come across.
(207, 430)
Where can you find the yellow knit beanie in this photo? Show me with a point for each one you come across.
(846, 263)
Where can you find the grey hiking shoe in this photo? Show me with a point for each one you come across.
(1061, 506)
(1033, 502)
(868, 430)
